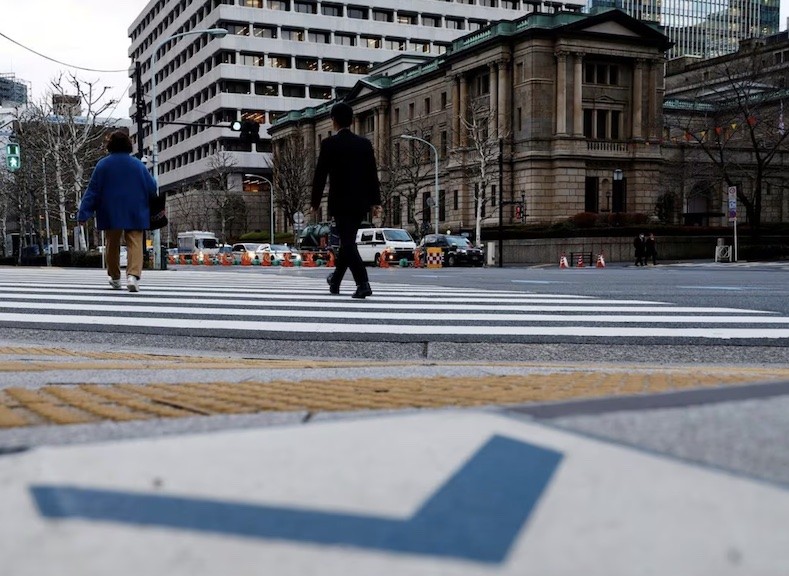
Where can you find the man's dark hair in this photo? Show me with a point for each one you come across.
(119, 141)
(342, 113)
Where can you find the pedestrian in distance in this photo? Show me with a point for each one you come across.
(651, 249)
(640, 245)
(348, 161)
(118, 193)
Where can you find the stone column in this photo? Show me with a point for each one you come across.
(494, 100)
(379, 133)
(463, 110)
(637, 97)
(652, 110)
(561, 92)
(578, 111)
(505, 97)
(455, 111)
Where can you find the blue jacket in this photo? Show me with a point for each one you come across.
(118, 192)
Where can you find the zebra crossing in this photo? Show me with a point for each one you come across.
(297, 304)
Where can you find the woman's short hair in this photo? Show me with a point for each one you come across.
(119, 141)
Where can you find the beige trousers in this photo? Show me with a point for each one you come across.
(133, 251)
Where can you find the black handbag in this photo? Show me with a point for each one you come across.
(158, 212)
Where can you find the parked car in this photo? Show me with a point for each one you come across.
(457, 250)
(250, 248)
(394, 243)
(278, 252)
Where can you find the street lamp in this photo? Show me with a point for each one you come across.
(271, 209)
(435, 155)
(216, 32)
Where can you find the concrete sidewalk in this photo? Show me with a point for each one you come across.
(137, 462)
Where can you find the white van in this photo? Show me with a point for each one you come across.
(394, 243)
(197, 241)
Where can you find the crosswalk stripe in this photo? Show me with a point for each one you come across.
(225, 302)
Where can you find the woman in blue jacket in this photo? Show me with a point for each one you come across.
(118, 193)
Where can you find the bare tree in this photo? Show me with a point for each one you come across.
(411, 170)
(66, 131)
(292, 169)
(735, 123)
(223, 200)
(483, 155)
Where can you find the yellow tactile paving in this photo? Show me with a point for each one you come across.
(73, 404)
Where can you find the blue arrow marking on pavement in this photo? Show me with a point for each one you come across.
(476, 515)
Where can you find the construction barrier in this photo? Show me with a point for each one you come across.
(330, 261)
(308, 260)
(287, 262)
(417, 258)
(600, 261)
(563, 261)
(580, 263)
(382, 261)
(435, 257)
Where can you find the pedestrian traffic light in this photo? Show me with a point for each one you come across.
(13, 160)
(249, 131)
(518, 212)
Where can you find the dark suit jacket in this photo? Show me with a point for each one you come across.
(349, 163)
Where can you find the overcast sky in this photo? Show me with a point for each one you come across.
(86, 33)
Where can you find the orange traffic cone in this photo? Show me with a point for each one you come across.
(600, 261)
(330, 261)
(382, 261)
(563, 261)
(309, 262)
(580, 262)
(287, 263)
(417, 258)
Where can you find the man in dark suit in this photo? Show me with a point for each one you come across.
(349, 163)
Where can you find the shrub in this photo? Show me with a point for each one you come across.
(584, 219)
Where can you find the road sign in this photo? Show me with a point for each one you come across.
(13, 159)
(298, 218)
(732, 193)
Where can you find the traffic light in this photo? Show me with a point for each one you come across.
(249, 131)
(519, 212)
(12, 157)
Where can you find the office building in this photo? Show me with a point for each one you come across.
(279, 55)
(703, 28)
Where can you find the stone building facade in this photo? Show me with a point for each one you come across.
(562, 110)
(724, 126)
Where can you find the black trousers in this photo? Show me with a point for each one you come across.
(348, 258)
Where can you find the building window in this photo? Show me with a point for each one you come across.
(371, 41)
(283, 5)
(397, 116)
(602, 124)
(431, 20)
(520, 119)
(396, 212)
(455, 200)
(307, 64)
(332, 65)
(237, 29)
(251, 59)
(358, 68)
(279, 61)
(420, 46)
(331, 9)
(595, 73)
(480, 85)
(266, 89)
(293, 34)
(306, 7)
(265, 31)
(293, 91)
(440, 47)
(345, 39)
(411, 111)
(444, 143)
(443, 100)
(318, 36)
(252, 3)
(234, 87)
(476, 24)
(357, 12)
(406, 18)
(591, 196)
(320, 92)
(427, 106)
(395, 44)
(369, 124)
(455, 24)
(383, 16)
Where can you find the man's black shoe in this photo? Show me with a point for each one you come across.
(362, 291)
(333, 288)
